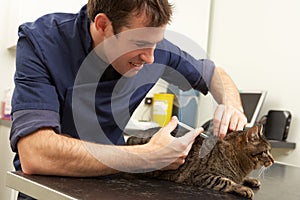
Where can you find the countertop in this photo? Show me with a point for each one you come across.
(278, 182)
(4, 122)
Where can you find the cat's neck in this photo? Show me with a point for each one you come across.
(238, 161)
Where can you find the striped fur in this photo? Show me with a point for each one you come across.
(226, 166)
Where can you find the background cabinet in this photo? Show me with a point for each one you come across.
(29, 10)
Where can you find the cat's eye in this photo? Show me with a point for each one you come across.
(264, 153)
(261, 153)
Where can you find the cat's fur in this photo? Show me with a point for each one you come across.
(225, 166)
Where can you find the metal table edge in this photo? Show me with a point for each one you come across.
(33, 189)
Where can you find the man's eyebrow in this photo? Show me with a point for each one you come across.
(145, 42)
(141, 41)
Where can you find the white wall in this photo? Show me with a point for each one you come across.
(192, 20)
(6, 57)
(29, 10)
(257, 42)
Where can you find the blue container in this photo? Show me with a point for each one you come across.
(185, 105)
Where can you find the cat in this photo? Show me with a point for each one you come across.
(222, 165)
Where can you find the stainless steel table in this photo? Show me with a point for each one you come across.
(278, 182)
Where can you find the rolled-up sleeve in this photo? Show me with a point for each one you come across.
(207, 71)
(25, 122)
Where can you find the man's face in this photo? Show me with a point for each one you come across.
(133, 46)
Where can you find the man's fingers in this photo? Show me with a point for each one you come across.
(165, 131)
(224, 124)
(242, 123)
(190, 136)
(218, 119)
(171, 125)
(233, 125)
(175, 165)
(186, 152)
(228, 118)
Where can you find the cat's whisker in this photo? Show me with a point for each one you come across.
(261, 171)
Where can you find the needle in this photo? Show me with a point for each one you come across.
(191, 129)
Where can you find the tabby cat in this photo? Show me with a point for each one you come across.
(223, 166)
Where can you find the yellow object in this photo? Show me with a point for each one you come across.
(162, 108)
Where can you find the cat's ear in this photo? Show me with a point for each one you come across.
(260, 129)
(253, 133)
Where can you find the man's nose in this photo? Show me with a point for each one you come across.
(148, 55)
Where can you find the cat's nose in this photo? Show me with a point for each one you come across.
(268, 163)
(270, 160)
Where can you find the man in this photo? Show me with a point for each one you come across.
(62, 90)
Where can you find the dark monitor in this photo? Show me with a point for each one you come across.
(252, 102)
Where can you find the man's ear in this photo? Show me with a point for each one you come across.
(102, 23)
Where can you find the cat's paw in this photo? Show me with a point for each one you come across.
(251, 182)
(244, 192)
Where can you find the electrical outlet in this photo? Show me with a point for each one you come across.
(148, 100)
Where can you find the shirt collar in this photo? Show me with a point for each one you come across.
(84, 26)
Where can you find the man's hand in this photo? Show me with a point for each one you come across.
(170, 151)
(228, 118)
(229, 113)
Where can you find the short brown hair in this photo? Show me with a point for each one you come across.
(120, 11)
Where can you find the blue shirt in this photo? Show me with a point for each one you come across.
(61, 83)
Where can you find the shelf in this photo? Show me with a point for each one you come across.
(282, 144)
(4, 122)
(12, 48)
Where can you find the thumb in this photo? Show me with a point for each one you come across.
(171, 125)
(190, 136)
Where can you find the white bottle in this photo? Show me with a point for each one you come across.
(6, 104)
